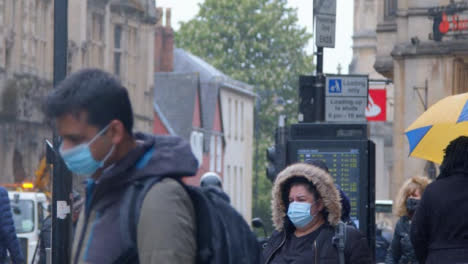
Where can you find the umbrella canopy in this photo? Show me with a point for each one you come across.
(443, 122)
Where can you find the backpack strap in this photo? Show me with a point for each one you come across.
(204, 222)
(339, 240)
(130, 213)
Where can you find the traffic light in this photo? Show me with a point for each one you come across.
(271, 170)
(311, 98)
(277, 155)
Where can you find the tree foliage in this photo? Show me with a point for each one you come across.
(258, 42)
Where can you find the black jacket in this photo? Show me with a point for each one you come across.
(401, 250)
(356, 249)
(439, 231)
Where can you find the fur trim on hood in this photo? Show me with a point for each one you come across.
(320, 179)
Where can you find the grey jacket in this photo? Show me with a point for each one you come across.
(166, 228)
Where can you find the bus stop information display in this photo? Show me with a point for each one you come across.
(343, 165)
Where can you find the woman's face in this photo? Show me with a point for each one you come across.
(300, 193)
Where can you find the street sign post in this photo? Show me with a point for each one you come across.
(325, 31)
(346, 98)
(325, 21)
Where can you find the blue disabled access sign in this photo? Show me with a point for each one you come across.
(346, 98)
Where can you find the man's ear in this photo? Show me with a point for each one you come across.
(117, 131)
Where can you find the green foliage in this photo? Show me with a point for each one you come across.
(260, 43)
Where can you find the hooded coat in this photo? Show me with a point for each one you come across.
(323, 250)
(166, 227)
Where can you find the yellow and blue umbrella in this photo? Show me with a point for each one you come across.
(443, 122)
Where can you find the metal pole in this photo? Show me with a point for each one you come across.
(62, 179)
(319, 60)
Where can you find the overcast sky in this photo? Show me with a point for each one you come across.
(184, 10)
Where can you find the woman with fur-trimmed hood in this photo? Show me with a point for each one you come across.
(306, 208)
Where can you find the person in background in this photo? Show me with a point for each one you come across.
(344, 200)
(8, 240)
(439, 230)
(214, 183)
(306, 209)
(401, 250)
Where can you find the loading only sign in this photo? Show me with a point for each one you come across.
(346, 98)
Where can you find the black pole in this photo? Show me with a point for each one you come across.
(319, 104)
(319, 60)
(62, 179)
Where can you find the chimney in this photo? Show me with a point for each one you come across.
(168, 45)
(164, 43)
(158, 41)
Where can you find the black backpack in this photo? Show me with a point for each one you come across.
(223, 236)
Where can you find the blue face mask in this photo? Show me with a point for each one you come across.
(79, 159)
(299, 214)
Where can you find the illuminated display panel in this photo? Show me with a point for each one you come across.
(344, 166)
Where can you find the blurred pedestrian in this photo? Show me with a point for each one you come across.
(401, 250)
(8, 240)
(306, 211)
(439, 230)
(94, 117)
(344, 200)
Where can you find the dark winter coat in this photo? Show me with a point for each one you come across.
(323, 250)
(166, 225)
(401, 251)
(8, 239)
(439, 231)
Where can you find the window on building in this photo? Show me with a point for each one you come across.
(212, 153)
(236, 119)
(235, 186)
(241, 118)
(229, 121)
(242, 187)
(219, 154)
(118, 50)
(390, 9)
(227, 180)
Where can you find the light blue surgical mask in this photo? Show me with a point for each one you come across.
(299, 214)
(79, 159)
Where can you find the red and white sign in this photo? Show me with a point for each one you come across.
(376, 109)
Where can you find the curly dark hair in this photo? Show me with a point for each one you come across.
(456, 157)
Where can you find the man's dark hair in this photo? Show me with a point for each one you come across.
(456, 157)
(95, 92)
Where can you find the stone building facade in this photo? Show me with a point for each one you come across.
(366, 18)
(408, 54)
(116, 36)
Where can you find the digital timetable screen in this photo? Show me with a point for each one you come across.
(344, 166)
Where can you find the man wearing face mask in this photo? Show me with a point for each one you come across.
(93, 116)
(409, 195)
(306, 208)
